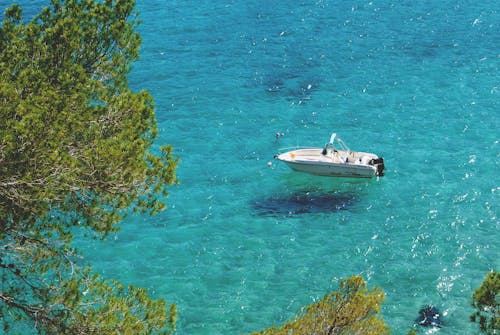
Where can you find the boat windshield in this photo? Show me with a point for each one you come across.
(341, 143)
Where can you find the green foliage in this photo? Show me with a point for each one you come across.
(486, 301)
(75, 153)
(353, 309)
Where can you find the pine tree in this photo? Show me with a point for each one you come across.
(486, 301)
(351, 310)
(77, 153)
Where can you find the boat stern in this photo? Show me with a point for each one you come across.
(378, 163)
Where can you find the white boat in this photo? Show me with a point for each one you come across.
(333, 162)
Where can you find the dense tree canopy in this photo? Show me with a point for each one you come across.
(76, 153)
(351, 310)
(486, 301)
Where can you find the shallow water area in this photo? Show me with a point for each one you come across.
(245, 241)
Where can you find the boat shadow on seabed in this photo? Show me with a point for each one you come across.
(303, 202)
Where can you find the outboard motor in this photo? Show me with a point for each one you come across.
(379, 164)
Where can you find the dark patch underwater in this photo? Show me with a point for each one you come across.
(303, 202)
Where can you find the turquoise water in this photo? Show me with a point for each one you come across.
(243, 244)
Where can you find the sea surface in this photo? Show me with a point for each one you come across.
(245, 241)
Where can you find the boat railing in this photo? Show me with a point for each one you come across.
(283, 150)
(331, 145)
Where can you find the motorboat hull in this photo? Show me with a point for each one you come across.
(333, 170)
(333, 164)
